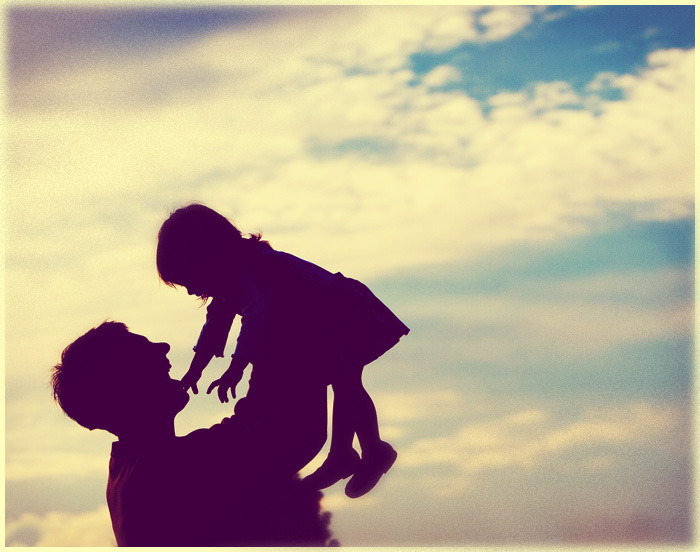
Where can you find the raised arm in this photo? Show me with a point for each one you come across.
(212, 340)
(253, 317)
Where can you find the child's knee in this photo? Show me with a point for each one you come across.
(313, 438)
(318, 438)
(350, 384)
(350, 371)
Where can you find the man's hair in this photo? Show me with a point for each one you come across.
(82, 382)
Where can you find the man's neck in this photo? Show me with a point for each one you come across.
(146, 434)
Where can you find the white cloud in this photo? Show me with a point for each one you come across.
(95, 176)
(97, 158)
(45, 462)
(504, 21)
(92, 529)
(441, 76)
(528, 438)
(561, 319)
(552, 95)
(405, 407)
(42, 442)
(338, 501)
(381, 37)
(460, 174)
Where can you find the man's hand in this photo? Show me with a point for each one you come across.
(228, 380)
(189, 381)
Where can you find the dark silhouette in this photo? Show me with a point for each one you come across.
(228, 485)
(301, 325)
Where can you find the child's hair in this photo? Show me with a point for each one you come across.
(192, 234)
(81, 382)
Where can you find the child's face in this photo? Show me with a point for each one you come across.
(210, 278)
(197, 283)
(195, 289)
(198, 287)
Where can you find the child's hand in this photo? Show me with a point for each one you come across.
(228, 380)
(197, 366)
(189, 381)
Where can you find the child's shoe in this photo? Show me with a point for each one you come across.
(336, 467)
(375, 463)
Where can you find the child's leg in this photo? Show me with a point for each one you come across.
(377, 455)
(343, 422)
(342, 458)
(353, 412)
(358, 406)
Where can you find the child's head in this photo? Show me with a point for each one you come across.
(193, 244)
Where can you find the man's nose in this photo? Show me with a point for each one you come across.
(165, 347)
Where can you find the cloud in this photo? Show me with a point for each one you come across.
(45, 462)
(343, 155)
(95, 167)
(504, 21)
(473, 181)
(553, 95)
(61, 529)
(338, 501)
(553, 319)
(441, 76)
(636, 527)
(42, 442)
(366, 41)
(529, 438)
(404, 407)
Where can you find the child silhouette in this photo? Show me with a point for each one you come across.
(297, 320)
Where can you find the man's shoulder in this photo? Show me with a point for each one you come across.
(221, 434)
(229, 432)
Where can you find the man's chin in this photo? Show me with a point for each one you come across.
(184, 400)
(180, 397)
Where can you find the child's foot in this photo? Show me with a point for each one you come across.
(375, 463)
(336, 467)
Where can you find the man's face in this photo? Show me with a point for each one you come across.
(145, 373)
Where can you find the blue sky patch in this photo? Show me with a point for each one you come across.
(653, 369)
(573, 47)
(637, 246)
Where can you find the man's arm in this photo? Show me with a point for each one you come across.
(285, 436)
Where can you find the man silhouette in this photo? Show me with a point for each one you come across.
(233, 484)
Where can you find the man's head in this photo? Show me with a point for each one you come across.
(112, 379)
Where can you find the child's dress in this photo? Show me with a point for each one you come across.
(301, 314)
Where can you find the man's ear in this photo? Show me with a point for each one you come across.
(111, 414)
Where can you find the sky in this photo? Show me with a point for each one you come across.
(515, 182)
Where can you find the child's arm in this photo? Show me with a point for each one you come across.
(253, 319)
(211, 342)
(197, 366)
(229, 379)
